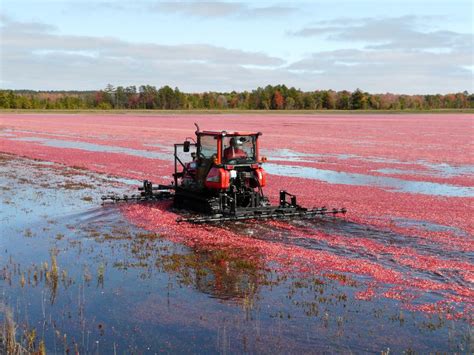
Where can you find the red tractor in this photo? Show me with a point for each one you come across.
(222, 178)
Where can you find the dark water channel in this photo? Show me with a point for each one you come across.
(78, 276)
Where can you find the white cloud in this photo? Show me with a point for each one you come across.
(396, 55)
(36, 56)
(30, 38)
(218, 9)
(384, 70)
(32, 56)
(199, 9)
(398, 32)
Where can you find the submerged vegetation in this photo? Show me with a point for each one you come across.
(9, 343)
(279, 97)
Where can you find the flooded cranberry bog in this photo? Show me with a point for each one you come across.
(396, 273)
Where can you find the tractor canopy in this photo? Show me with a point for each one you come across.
(234, 148)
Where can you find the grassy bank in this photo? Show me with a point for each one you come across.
(239, 112)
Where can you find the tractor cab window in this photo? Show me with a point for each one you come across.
(208, 147)
(239, 149)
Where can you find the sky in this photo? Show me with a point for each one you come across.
(410, 47)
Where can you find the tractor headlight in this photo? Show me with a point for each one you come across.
(233, 174)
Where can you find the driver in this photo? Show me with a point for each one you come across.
(234, 151)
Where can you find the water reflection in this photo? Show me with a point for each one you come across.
(217, 273)
(388, 183)
(92, 147)
(435, 169)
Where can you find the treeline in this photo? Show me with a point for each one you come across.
(277, 97)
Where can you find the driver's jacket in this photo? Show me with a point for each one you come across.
(234, 153)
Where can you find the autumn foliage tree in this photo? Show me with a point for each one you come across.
(279, 97)
(278, 102)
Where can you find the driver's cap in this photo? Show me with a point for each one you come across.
(235, 141)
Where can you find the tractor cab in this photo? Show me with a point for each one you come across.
(219, 159)
(228, 148)
(234, 148)
(221, 171)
